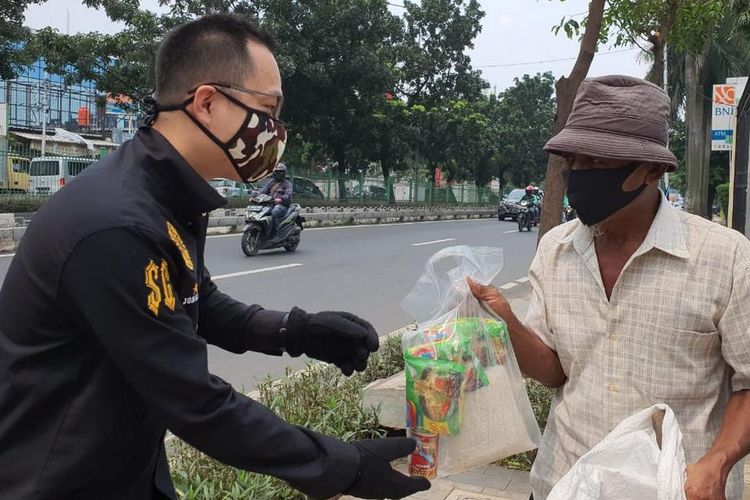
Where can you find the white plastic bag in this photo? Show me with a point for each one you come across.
(629, 463)
(466, 399)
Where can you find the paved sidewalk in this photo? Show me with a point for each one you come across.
(489, 482)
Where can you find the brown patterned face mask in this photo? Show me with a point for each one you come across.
(255, 149)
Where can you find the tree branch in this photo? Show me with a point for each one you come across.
(588, 43)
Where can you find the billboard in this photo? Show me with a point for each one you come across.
(721, 117)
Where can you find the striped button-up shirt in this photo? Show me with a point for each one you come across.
(676, 330)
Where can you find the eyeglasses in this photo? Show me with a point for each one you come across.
(237, 88)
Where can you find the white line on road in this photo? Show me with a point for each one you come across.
(358, 226)
(7, 255)
(254, 271)
(508, 232)
(507, 286)
(522, 280)
(432, 242)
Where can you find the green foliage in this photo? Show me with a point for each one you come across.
(722, 197)
(20, 203)
(687, 24)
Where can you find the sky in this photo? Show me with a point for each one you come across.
(516, 37)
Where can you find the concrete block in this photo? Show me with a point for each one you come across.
(7, 223)
(462, 494)
(389, 396)
(499, 482)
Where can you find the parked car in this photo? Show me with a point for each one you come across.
(508, 208)
(229, 188)
(14, 178)
(49, 174)
(305, 188)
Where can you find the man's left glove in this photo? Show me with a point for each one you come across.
(340, 338)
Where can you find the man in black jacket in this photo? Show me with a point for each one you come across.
(107, 307)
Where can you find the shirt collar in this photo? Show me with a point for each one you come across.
(183, 189)
(667, 233)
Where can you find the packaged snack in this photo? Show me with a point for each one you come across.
(423, 462)
(463, 384)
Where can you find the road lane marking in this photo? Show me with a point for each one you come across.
(358, 226)
(508, 286)
(508, 232)
(254, 271)
(522, 280)
(7, 255)
(432, 242)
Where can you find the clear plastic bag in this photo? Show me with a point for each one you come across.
(466, 399)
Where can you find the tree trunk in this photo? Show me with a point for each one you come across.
(566, 89)
(341, 160)
(656, 74)
(698, 149)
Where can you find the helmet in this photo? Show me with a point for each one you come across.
(536, 190)
(529, 189)
(280, 168)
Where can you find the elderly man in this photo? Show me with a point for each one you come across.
(635, 303)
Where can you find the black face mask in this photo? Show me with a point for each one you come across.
(279, 176)
(596, 194)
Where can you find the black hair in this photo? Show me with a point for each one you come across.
(210, 49)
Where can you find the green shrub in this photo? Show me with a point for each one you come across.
(18, 203)
(722, 197)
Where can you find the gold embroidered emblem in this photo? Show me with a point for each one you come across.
(169, 299)
(177, 240)
(153, 300)
(154, 276)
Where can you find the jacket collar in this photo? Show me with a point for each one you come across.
(180, 187)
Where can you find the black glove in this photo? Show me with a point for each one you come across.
(334, 337)
(376, 477)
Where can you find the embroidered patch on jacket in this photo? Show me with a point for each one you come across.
(192, 299)
(177, 240)
(159, 287)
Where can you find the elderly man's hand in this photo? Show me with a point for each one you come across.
(706, 480)
(492, 297)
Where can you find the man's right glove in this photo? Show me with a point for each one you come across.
(340, 338)
(376, 477)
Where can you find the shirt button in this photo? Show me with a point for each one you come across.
(613, 337)
(612, 388)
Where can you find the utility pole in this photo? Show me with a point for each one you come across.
(43, 106)
(666, 89)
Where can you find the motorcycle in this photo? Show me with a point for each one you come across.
(525, 219)
(259, 226)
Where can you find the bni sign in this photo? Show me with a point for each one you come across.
(721, 120)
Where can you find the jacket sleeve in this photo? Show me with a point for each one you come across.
(266, 189)
(234, 326)
(286, 196)
(117, 284)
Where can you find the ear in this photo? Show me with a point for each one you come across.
(202, 105)
(654, 173)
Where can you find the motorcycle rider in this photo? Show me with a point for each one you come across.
(280, 189)
(533, 202)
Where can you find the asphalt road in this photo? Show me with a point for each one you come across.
(366, 270)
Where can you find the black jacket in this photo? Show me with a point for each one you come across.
(104, 318)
